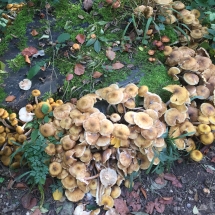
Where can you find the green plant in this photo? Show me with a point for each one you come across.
(33, 154)
(1, 180)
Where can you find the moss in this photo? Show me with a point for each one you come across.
(2, 95)
(17, 63)
(17, 29)
(170, 32)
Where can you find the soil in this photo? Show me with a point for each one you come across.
(197, 179)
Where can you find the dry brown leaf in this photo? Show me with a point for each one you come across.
(136, 207)
(144, 192)
(166, 200)
(34, 33)
(20, 185)
(73, 100)
(121, 206)
(159, 207)
(69, 77)
(28, 201)
(97, 74)
(213, 159)
(87, 4)
(117, 65)
(150, 207)
(176, 183)
(10, 184)
(110, 54)
(79, 69)
(80, 38)
(159, 180)
(27, 60)
(10, 98)
(29, 51)
(169, 177)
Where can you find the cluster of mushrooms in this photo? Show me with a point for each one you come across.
(97, 151)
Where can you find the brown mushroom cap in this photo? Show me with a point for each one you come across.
(193, 113)
(202, 91)
(35, 93)
(143, 90)
(196, 34)
(188, 19)
(174, 58)
(121, 131)
(203, 62)
(207, 109)
(108, 177)
(150, 134)
(173, 71)
(79, 149)
(78, 170)
(115, 192)
(125, 158)
(167, 50)
(114, 97)
(131, 90)
(47, 130)
(207, 139)
(115, 117)
(180, 94)
(163, 2)
(178, 5)
(75, 195)
(191, 78)
(106, 127)
(92, 125)
(68, 157)
(181, 108)
(130, 103)
(170, 19)
(188, 63)
(85, 103)
(103, 141)
(67, 143)
(66, 123)
(143, 120)
(55, 169)
(129, 117)
(172, 116)
(141, 142)
(187, 127)
(107, 201)
(151, 98)
(69, 182)
(104, 91)
(61, 111)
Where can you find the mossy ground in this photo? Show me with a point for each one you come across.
(71, 18)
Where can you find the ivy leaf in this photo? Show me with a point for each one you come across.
(90, 42)
(34, 134)
(46, 119)
(97, 46)
(33, 71)
(63, 37)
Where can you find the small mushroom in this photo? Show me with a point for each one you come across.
(196, 155)
(25, 84)
(36, 93)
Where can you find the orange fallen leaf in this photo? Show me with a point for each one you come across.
(20, 185)
(117, 65)
(110, 54)
(79, 69)
(10, 98)
(97, 74)
(34, 33)
(27, 60)
(143, 192)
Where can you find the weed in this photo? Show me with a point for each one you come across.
(17, 63)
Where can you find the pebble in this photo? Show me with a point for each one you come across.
(188, 205)
(190, 191)
(179, 199)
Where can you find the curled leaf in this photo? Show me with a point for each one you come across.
(110, 54)
(34, 33)
(10, 98)
(80, 38)
(97, 74)
(79, 69)
(117, 65)
(29, 51)
(69, 77)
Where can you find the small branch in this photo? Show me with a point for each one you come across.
(92, 177)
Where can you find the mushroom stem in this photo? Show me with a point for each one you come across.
(5, 124)
(91, 177)
(28, 132)
(124, 109)
(36, 100)
(168, 102)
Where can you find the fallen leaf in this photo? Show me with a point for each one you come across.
(135, 206)
(159, 180)
(97, 74)
(195, 210)
(160, 208)
(57, 195)
(169, 177)
(166, 200)
(121, 206)
(21, 185)
(87, 4)
(10, 98)
(117, 65)
(79, 69)
(36, 212)
(144, 192)
(209, 170)
(34, 33)
(27, 60)
(29, 51)
(28, 201)
(110, 54)
(80, 17)
(150, 207)
(176, 183)
(10, 184)
(139, 213)
(69, 77)
(80, 38)
(213, 159)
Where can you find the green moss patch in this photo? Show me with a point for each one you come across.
(17, 63)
